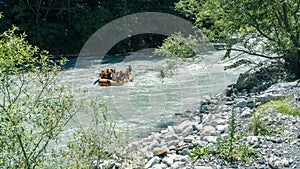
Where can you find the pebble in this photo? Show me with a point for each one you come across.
(172, 146)
(222, 128)
(160, 151)
(152, 162)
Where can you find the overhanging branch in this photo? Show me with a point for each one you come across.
(254, 53)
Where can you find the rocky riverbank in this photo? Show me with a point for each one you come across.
(170, 148)
(279, 147)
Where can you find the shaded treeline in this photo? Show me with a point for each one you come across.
(63, 26)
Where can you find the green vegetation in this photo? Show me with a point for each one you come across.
(177, 46)
(258, 125)
(35, 108)
(96, 141)
(281, 106)
(62, 27)
(228, 149)
(259, 27)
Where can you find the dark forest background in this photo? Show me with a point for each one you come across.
(63, 26)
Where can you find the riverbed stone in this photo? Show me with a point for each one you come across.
(210, 139)
(222, 128)
(241, 103)
(185, 152)
(246, 114)
(189, 130)
(188, 139)
(160, 151)
(199, 142)
(153, 144)
(152, 162)
(172, 137)
(159, 166)
(208, 130)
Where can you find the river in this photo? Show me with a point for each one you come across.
(148, 104)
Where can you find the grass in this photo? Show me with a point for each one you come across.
(258, 124)
(281, 106)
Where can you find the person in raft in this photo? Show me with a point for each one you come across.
(129, 68)
(108, 74)
(102, 74)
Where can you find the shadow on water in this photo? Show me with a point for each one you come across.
(88, 61)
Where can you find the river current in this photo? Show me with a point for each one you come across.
(148, 103)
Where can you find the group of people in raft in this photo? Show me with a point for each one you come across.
(116, 76)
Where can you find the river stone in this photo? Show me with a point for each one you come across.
(218, 121)
(172, 143)
(189, 130)
(188, 139)
(266, 97)
(159, 166)
(202, 167)
(210, 139)
(170, 137)
(168, 160)
(177, 164)
(246, 114)
(222, 128)
(185, 152)
(252, 139)
(208, 130)
(153, 144)
(160, 151)
(241, 103)
(199, 142)
(182, 126)
(152, 162)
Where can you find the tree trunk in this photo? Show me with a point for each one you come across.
(292, 63)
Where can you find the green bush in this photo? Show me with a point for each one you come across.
(99, 140)
(34, 108)
(177, 46)
(228, 149)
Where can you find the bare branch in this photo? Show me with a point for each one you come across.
(253, 53)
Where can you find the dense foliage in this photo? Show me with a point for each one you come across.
(34, 108)
(269, 29)
(62, 27)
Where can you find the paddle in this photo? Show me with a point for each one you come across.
(97, 81)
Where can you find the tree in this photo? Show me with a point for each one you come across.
(34, 108)
(265, 28)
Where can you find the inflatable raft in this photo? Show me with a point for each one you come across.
(110, 82)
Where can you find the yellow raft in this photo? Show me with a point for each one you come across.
(110, 82)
